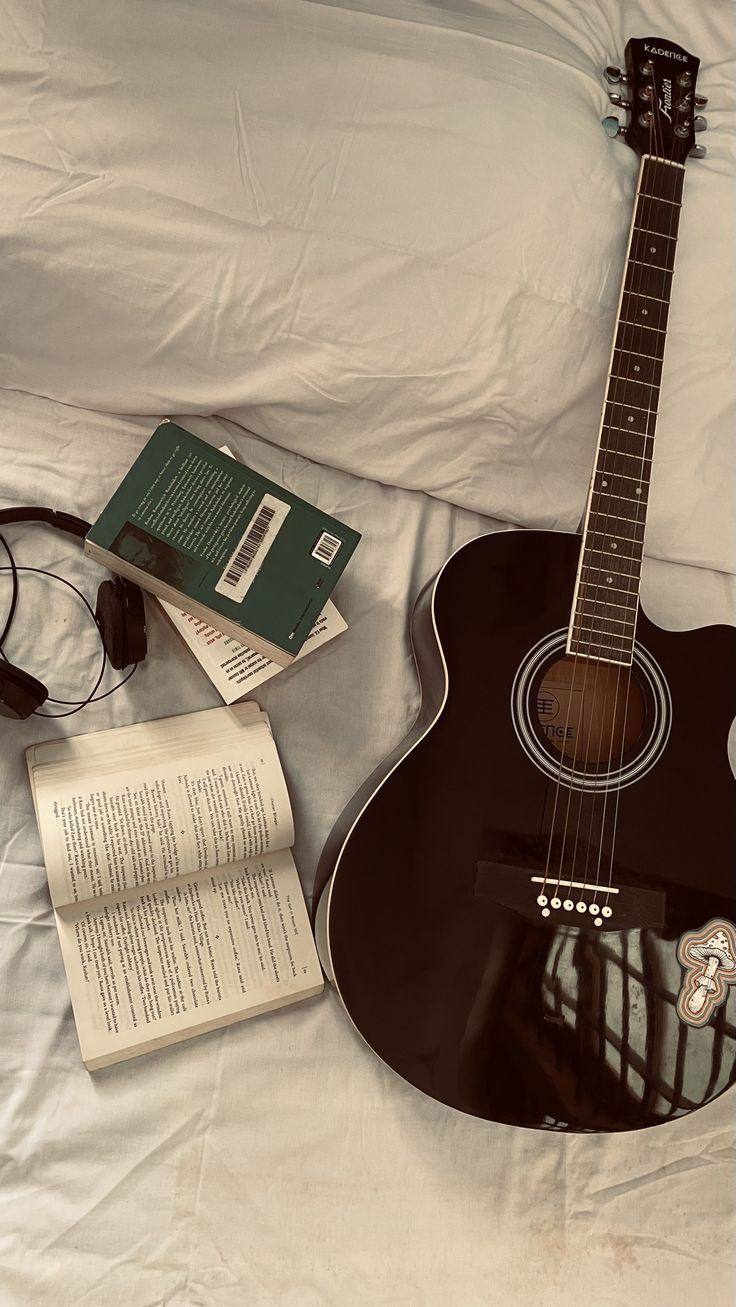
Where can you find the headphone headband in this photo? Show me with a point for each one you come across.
(120, 619)
(76, 526)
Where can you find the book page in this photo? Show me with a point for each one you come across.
(177, 734)
(134, 825)
(233, 668)
(161, 963)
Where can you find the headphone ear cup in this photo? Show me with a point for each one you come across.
(20, 693)
(110, 619)
(134, 613)
(121, 618)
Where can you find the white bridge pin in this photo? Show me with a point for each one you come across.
(556, 903)
(606, 912)
(581, 907)
(542, 900)
(568, 905)
(593, 909)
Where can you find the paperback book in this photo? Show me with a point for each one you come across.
(199, 529)
(177, 901)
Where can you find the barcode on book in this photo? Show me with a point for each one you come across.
(247, 558)
(326, 548)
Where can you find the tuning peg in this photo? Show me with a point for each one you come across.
(612, 126)
(699, 122)
(614, 74)
(701, 101)
(698, 152)
(619, 100)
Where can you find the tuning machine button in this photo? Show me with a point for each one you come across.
(614, 75)
(701, 101)
(698, 152)
(699, 122)
(619, 100)
(612, 126)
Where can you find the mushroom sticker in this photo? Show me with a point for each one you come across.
(708, 959)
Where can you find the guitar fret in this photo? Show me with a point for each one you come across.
(658, 260)
(624, 558)
(610, 589)
(663, 235)
(625, 404)
(643, 264)
(597, 631)
(643, 326)
(638, 354)
(621, 454)
(623, 475)
(608, 604)
(659, 198)
(623, 662)
(640, 294)
(598, 531)
(627, 498)
(620, 621)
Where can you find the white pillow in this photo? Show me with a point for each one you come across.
(389, 241)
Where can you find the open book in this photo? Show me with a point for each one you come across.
(177, 901)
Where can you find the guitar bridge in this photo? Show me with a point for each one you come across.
(557, 901)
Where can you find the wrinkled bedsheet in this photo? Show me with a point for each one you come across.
(376, 249)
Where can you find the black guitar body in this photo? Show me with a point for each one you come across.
(510, 888)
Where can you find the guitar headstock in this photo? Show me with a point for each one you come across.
(660, 95)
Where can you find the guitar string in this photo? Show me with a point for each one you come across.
(600, 529)
(598, 524)
(670, 235)
(647, 204)
(641, 227)
(587, 657)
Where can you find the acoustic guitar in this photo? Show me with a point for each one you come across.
(529, 908)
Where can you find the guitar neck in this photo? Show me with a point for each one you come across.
(605, 603)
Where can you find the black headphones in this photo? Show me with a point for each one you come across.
(119, 615)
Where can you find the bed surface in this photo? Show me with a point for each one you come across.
(376, 249)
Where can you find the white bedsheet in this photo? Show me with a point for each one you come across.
(239, 209)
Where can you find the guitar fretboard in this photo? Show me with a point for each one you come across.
(606, 599)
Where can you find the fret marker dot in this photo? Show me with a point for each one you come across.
(614, 545)
(652, 249)
(638, 490)
(604, 484)
(630, 419)
(644, 312)
(609, 579)
(637, 368)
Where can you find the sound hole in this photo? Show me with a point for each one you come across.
(590, 713)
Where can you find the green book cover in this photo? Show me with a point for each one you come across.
(194, 526)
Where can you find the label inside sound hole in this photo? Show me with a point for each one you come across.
(590, 712)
